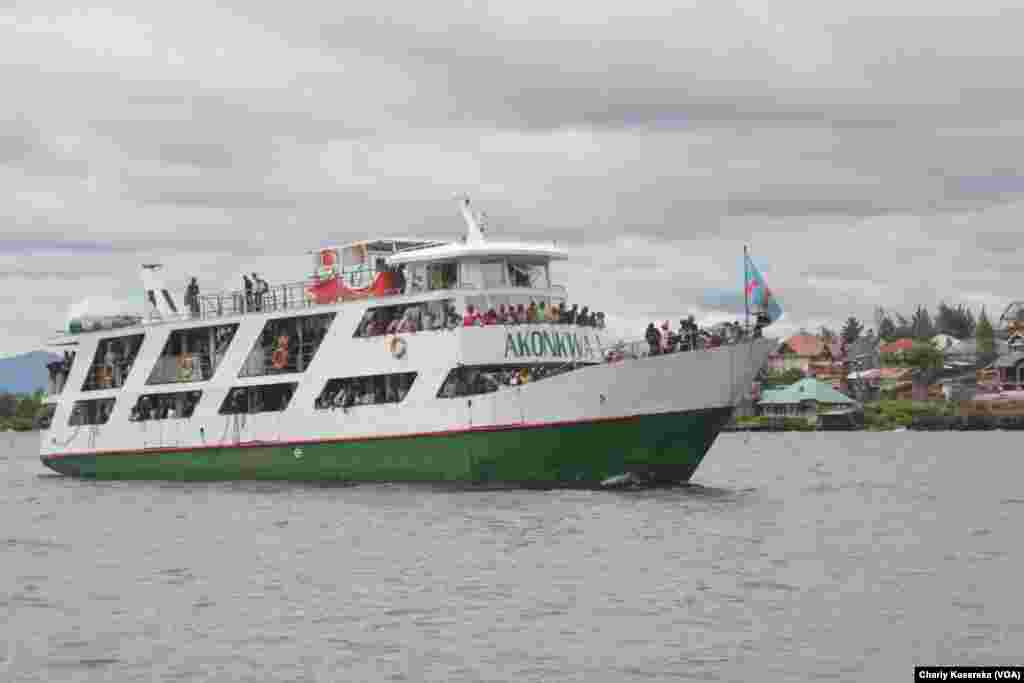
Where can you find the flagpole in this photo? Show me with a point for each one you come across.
(746, 295)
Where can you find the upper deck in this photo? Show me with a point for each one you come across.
(392, 270)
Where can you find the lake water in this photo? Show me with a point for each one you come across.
(798, 557)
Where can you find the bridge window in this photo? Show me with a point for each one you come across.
(266, 398)
(192, 355)
(112, 363)
(407, 318)
(93, 412)
(179, 404)
(346, 392)
(442, 275)
(470, 380)
(286, 345)
(525, 274)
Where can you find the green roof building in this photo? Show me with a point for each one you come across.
(803, 399)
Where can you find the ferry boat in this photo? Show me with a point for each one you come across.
(367, 372)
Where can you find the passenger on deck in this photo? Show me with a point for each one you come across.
(502, 315)
(552, 316)
(192, 297)
(247, 283)
(651, 335)
(451, 318)
(599, 322)
(393, 325)
(663, 338)
(408, 322)
(490, 317)
(260, 289)
(573, 314)
(472, 317)
(377, 326)
(531, 312)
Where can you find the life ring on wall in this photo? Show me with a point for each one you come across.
(279, 359)
(397, 346)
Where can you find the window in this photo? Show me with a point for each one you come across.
(94, 412)
(521, 274)
(470, 380)
(267, 398)
(407, 318)
(179, 404)
(112, 363)
(44, 418)
(442, 275)
(192, 355)
(286, 345)
(347, 392)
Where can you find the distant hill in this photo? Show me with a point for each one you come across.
(25, 373)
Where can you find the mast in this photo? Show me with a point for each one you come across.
(474, 231)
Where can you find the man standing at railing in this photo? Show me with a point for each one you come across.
(248, 292)
(192, 297)
(260, 288)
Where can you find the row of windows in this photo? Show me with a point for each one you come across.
(341, 392)
(285, 345)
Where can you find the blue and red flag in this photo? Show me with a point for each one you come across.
(759, 297)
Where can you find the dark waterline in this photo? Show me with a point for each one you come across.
(794, 557)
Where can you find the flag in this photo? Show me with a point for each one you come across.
(759, 297)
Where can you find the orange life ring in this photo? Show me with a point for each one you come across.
(279, 359)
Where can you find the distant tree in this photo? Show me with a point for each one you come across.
(8, 405)
(28, 406)
(904, 327)
(851, 330)
(827, 334)
(956, 322)
(921, 324)
(923, 356)
(986, 337)
(890, 360)
(887, 329)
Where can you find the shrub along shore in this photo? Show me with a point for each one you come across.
(888, 415)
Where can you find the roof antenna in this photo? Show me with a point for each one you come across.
(474, 224)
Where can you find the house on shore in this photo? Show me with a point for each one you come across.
(813, 356)
(896, 348)
(803, 399)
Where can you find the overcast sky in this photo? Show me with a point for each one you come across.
(870, 153)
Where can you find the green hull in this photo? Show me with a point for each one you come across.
(664, 447)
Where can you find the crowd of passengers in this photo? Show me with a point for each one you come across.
(422, 316)
(691, 337)
(468, 381)
(533, 313)
(361, 391)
